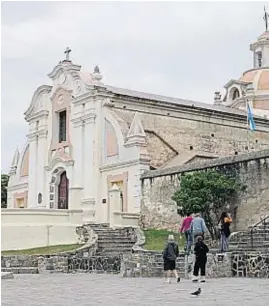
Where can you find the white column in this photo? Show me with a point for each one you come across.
(75, 189)
(40, 171)
(32, 193)
(97, 161)
(89, 182)
(89, 190)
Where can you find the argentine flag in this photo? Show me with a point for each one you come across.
(252, 125)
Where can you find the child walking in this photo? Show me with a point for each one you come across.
(200, 251)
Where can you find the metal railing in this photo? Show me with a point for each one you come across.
(264, 223)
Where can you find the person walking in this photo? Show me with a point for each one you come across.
(170, 254)
(200, 251)
(224, 226)
(198, 227)
(186, 229)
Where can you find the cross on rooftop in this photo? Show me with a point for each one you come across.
(67, 51)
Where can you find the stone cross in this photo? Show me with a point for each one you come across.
(265, 18)
(67, 51)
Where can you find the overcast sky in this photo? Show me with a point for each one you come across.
(183, 49)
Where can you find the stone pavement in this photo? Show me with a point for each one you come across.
(111, 290)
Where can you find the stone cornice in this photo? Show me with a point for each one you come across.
(37, 115)
(18, 186)
(88, 118)
(65, 66)
(39, 90)
(85, 97)
(237, 82)
(184, 112)
(258, 43)
(38, 133)
(118, 165)
(56, 160)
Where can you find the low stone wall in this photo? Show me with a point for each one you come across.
(24, 264)
(150, 264)
(140, 264)
(158, 210)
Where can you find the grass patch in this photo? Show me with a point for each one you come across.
(48, 250)
(156, 239)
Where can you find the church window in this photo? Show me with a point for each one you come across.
(121, 201)
(191, 148)
(259, 58)
(236, 94)
(62, 126)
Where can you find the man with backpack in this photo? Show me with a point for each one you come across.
(170, 254)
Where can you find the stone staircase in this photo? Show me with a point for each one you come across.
(255, 238)
(19, 264)
(150, 264)
(113, 242)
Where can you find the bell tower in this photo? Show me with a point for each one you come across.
(260, 48)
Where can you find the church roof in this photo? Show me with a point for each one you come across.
(173, 100)
(264, 36)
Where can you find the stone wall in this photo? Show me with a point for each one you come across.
(233, 264)
(252, 170)
(140, 264)
(184, 130)
(150, 264)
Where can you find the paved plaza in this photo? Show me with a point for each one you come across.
(110, 290)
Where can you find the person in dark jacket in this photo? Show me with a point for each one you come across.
(170, 254)
(200, 251)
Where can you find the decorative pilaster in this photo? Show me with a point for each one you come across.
(75, 190)
(114, 205)
(32, 178)
(41, 182)
(89, 183)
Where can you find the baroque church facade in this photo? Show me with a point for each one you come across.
(89, 143)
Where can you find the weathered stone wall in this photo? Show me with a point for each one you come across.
(185, 130)
(252, 170)
(140, 264)
(239, 264)
(24, 264)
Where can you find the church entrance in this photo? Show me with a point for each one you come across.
(63, 191)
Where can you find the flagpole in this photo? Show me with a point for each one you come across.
(247, 124)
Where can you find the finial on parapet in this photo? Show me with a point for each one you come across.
(15, 162)
(217, 97)
(96, 76)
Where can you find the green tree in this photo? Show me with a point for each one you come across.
(207, 192)
(4, 183)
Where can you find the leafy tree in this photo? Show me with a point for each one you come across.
(207, 192)
(4, 183)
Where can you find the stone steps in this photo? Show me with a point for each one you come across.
(21, 270)
(113, 241)
(7, 275)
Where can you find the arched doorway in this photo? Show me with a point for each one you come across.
(63, 191)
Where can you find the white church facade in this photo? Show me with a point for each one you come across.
(89, 143)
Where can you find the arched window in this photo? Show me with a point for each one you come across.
(259, 59)
(235, 94)
(63, 191)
